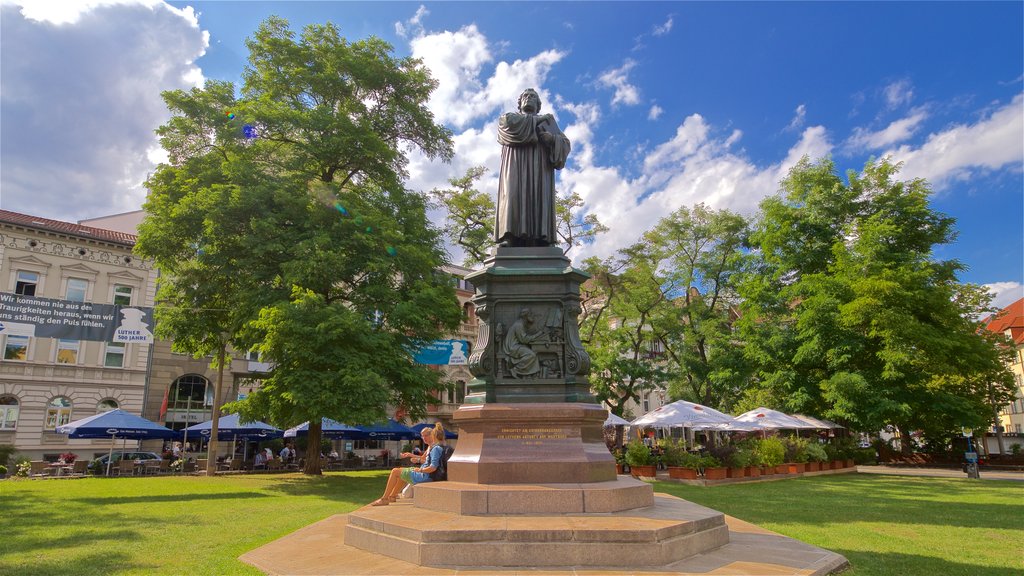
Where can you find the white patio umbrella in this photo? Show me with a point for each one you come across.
(614, 420)
(767, 419)
(683, 414)
(816, 423)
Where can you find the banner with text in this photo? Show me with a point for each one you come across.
(443, 352)
(50, 318)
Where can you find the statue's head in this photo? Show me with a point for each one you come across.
(529, 99)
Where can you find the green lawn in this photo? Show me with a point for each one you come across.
(197, 525)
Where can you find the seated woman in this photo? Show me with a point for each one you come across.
(428, 462)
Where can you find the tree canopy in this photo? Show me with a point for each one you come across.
(282, 221)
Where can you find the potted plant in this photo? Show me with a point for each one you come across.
(771, 452)
(796, 455)
(681, 464)
(620, 461)
(640, 460)
(816, 455)
(833, 457)
(713, 469)
(753, 469)
(738, 462)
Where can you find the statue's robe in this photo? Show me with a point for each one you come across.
(526, 184)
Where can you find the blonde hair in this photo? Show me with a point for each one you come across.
(438, 432)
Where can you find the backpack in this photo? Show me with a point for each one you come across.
(441, 472)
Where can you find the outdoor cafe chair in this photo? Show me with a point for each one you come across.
(39, 468)
(165, 467)
(81, 468)
(236, 464)
(126, 467)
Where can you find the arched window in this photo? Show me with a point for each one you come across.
(58, 413)
(189, 401)
(106, 405)
(8, 412)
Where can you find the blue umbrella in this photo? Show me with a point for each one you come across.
(418, 429)
(115, 424)
(329, 429)
(389, 430)
(230, 426)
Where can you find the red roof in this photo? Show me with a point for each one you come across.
(1010, 318)
(66, 228)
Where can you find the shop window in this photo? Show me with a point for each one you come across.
(26, 283)
(8, 412)
(16, 348)
(67, 351)
(113, 357)
(58, 413)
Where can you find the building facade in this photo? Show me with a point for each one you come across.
(47, 382)
(1010, 322)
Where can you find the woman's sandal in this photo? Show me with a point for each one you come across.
(382, 501)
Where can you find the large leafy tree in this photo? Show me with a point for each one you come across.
(700, 254)
(849, 314)
(282, 212)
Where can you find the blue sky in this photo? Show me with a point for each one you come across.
(666, 103)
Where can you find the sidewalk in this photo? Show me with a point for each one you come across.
(939, 473)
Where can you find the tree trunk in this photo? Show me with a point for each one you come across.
(212, 447)
(312, 465)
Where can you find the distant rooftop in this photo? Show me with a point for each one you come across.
(40, 223)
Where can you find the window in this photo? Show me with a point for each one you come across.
(8, 412)
(16, 348)
(190, 393)
(647, 404)
(58, 413)
(67, 351)
(106, 406)
(114, 355)
(26, 283)
(76, 289)
(122, 295)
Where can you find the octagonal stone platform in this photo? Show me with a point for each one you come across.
(656, 535)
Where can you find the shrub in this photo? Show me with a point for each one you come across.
(674, 453)
(23, 470)
(816, 452)
(638, 455)
(771, 451)
(6, 450)
(1015, 449)
(796, 449)
(3, 470)
(864, 456)
(741, 458)
(723, 452)
(710, 462)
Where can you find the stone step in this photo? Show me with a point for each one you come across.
(669, 531)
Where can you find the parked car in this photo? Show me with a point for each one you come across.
(119, 455)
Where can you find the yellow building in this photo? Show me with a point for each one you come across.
(47, 382)
(1010, 321)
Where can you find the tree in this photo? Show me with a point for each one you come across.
(290, 198)
(469, 222)
(700, 253)
(848, 314)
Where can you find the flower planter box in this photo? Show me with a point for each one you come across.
(715, 473)
(680, 473)
(643, 471)
(620, 468)
(734, 472)
(792, 468)
(813, 466)
(850, 463)
(767, 470)
(836, 464)
(753, 471)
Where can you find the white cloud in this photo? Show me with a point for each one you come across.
(413, 26)
(457, 59)
(663, 28)
(618, 79)
(655, 112)
(898, 131)
(995, 141)
(898, 93)
(1005, 293)
(799, 117)
(80, 100)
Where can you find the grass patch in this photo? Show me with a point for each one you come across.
(886, 524)
(196, 525)
(165, 525)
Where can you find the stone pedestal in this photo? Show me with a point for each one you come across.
(531, 444)
(528, 347)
